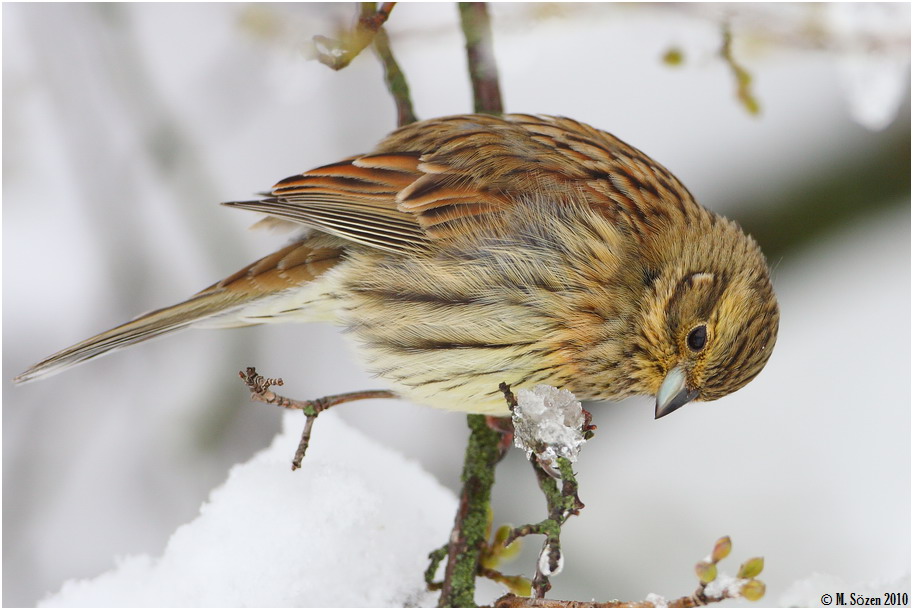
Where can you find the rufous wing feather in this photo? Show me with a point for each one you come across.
(438, 179)
(354, 199)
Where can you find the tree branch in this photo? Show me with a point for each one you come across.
(561, 505)
(395, 79)
(338, 54)
(483, 71)
(260, 390)
(742, 76)
(694, 600)
(467, 539)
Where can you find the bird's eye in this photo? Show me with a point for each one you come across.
(697, 338)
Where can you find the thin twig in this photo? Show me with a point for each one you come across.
(561, 505)
(745, 586)
(436, 557)
(483, 71)
(742, 76)
(513, 583)
(395, 79)
(338, 54)
(260, 390)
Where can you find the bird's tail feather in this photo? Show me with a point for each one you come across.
(258, 293)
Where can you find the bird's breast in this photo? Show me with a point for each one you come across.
(446, 332)
(447, 329)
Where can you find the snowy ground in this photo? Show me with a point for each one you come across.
(343, 532)
(125, 124)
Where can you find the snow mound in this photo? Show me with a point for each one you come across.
(353, 527)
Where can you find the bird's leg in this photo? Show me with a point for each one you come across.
(260, 390)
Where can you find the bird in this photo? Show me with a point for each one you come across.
(470, 250)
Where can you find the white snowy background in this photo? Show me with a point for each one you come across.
(125, 125)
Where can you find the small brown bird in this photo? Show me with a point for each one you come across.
(472, 250)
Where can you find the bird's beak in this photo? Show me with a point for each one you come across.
(673, 393)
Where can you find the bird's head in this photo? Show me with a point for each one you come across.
(708, 322)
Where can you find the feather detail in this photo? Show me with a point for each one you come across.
(430, 181)
(354, 199)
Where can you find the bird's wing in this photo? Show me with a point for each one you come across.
(354, 199)
(431, 180)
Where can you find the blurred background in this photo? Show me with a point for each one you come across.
(124, 125)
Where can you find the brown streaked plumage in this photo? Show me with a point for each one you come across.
(470, 250)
